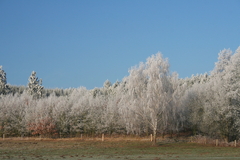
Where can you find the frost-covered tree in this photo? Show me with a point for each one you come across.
(13, 115)
(149, 100)
(80, 109)
(177, 120)
(17, 89)
(4, 88)
(107, 88)
(34, 85)
(224, 57)
(194, 99)
(214, 106)
(230, 87)
(107, 84)
(150, 93)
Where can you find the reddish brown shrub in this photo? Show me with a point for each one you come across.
(45, 127)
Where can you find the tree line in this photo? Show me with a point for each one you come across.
(150, 100)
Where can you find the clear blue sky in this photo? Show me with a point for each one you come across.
(73, 43)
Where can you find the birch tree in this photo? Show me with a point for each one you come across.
(150, 92)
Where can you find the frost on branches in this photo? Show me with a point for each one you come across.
(150, 100)
(35, 87)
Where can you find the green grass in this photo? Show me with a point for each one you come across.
(97, 150)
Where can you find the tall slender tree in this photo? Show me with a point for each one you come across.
(3, 82)
(150, 92)
(35, 86)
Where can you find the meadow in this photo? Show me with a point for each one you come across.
(119, 149)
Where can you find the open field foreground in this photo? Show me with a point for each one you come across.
(111, 149)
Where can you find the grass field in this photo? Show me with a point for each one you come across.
(111, 149)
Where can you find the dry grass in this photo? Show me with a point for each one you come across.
(84, 138)
(126, 148)
(215, 142)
